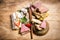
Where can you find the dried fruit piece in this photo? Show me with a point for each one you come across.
(28, 25)
(17, 23)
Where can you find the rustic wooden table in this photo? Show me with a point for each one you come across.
(9, 7)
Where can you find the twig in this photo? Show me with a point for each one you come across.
(30, 18)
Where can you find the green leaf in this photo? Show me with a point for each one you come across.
(23, 20)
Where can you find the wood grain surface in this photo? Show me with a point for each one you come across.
(7, 7)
